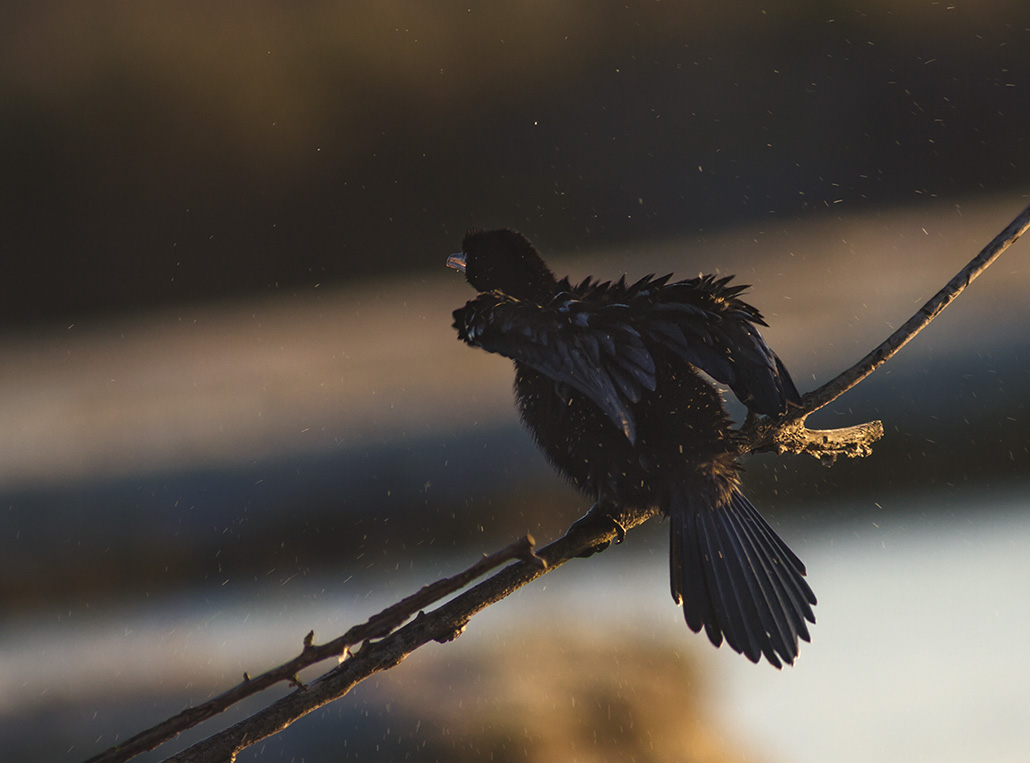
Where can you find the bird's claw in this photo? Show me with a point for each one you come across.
(598, 514)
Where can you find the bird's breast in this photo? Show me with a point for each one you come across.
(682, 431)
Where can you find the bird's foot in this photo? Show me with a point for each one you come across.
(598, 517)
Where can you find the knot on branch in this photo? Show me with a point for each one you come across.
(827, 444)
(762, 435)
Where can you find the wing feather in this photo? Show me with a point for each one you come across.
(585, 345)
(600, 338)
(703, 322)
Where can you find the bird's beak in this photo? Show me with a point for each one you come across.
(457, 261)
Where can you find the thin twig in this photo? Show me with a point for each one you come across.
(790, 435)
(830, 391)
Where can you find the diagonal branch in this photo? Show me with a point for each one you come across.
(444, 624)
(833, 389)
(594, 532)
(790, 435)
(377, 626)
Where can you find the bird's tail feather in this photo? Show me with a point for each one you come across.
(735, 577)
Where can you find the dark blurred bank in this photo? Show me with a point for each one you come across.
(158, 153)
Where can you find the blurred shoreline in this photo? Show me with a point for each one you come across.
(225, 441)
(227, 384)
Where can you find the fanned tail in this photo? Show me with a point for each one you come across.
(736, 578)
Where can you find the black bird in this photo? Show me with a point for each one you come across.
(607, 380)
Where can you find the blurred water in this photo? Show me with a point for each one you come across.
(919, 653)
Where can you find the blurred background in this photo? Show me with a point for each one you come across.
(232, 407)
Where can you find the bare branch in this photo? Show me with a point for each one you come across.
(830, 391)
(789, 434)
(443, 624)
(377, 626)
(396, 640)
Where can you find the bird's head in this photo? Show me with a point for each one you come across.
(503, 260)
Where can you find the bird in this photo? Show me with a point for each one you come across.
(610, 380)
